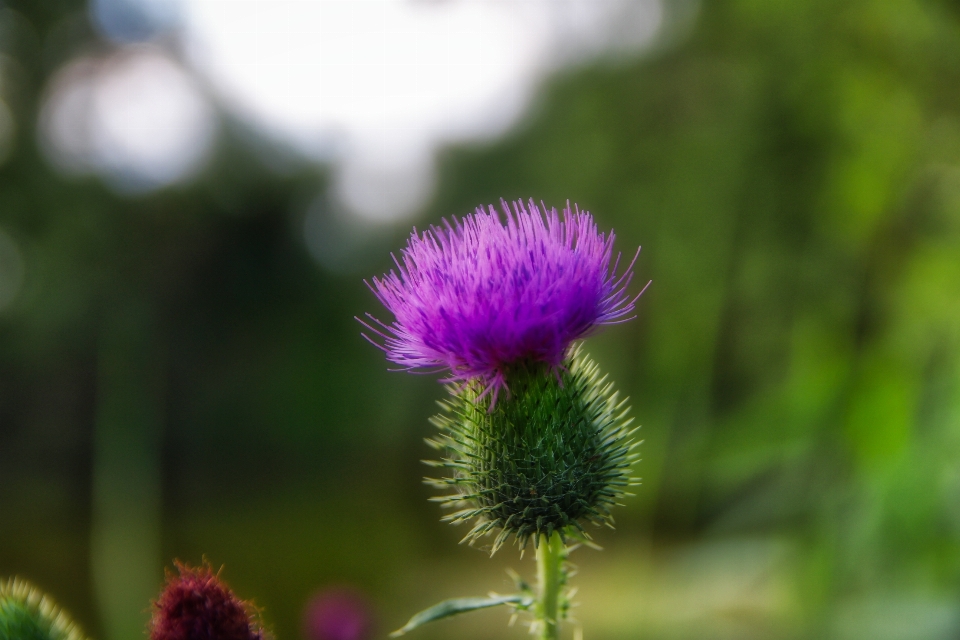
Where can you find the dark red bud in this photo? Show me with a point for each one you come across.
(197, 605)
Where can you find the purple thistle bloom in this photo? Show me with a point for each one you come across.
(474, 296)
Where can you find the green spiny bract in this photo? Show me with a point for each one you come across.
(27, 614)
(556, 451)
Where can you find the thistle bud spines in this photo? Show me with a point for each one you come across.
(26, 613)
(553, 453)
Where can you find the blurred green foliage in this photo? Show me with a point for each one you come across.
(792, 170)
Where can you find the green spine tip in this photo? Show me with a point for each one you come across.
(553, 453)
(26, 613)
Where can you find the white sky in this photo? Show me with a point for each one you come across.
(373, 86)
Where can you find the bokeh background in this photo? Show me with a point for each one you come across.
(192, 192)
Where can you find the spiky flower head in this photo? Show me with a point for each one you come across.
(26, 613)
(553, 454)
(477, 295)
(498, 305)
(197, 605)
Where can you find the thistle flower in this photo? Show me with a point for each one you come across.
(197, 605)
(475, 296)
(499, 307)
(27, 614)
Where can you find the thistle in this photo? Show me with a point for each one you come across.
(26, 613)
(534, 439)
(197, 605)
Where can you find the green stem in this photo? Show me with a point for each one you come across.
(550, 556)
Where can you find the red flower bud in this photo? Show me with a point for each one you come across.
(197, 605)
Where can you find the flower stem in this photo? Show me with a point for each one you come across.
(550, 556)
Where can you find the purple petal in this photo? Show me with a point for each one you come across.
(474, 295)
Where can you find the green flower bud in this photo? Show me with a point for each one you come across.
(26, 613)
(553, 453)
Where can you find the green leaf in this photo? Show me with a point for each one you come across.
(454, 606)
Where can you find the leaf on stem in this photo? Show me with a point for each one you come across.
(454, 606)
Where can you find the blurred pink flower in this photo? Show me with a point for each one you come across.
(337, 614)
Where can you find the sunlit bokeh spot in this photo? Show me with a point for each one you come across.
(379, 186)
(379, 84)
(135, 117)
